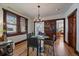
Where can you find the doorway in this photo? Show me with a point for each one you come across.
(57, 26)
(72, 29)
(60, 29)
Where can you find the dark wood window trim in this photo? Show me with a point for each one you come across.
(18, 29)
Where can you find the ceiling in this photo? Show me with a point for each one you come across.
(46, 9)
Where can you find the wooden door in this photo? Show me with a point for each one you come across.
(72, 30)
(50, 28)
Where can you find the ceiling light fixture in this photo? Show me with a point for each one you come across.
(38, 12)
(38, 16)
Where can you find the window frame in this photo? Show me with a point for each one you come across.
(12, 15)
(18, 29)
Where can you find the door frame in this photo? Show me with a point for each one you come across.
(64, 26)
(74, 12)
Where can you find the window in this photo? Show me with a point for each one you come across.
(39, 28)
(11, 23)
(14, 23)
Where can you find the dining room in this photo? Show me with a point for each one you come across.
(39, 29)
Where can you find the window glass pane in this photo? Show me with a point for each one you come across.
(11, 18)
(11, 23)
(11, 28)
(59, 26)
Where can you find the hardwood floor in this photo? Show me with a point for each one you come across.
(61, 49)
(20, 49)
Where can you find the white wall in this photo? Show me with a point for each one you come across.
(30, 25)
(17, 38)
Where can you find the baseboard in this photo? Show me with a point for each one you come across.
(66, 42)
(77, 52)
(20, 42)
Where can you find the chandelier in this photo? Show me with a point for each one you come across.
(38, 16)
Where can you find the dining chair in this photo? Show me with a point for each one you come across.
(49, 47)
(32, 42)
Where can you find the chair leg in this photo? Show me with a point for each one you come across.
(33, 49)
(27, 49)
(37, 51)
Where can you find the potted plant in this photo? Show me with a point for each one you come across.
(3, 33)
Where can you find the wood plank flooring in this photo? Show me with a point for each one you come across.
(61, 49)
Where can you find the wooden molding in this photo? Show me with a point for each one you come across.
(77, 52)
(15, 34)
(17, 25)
(20, 42)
